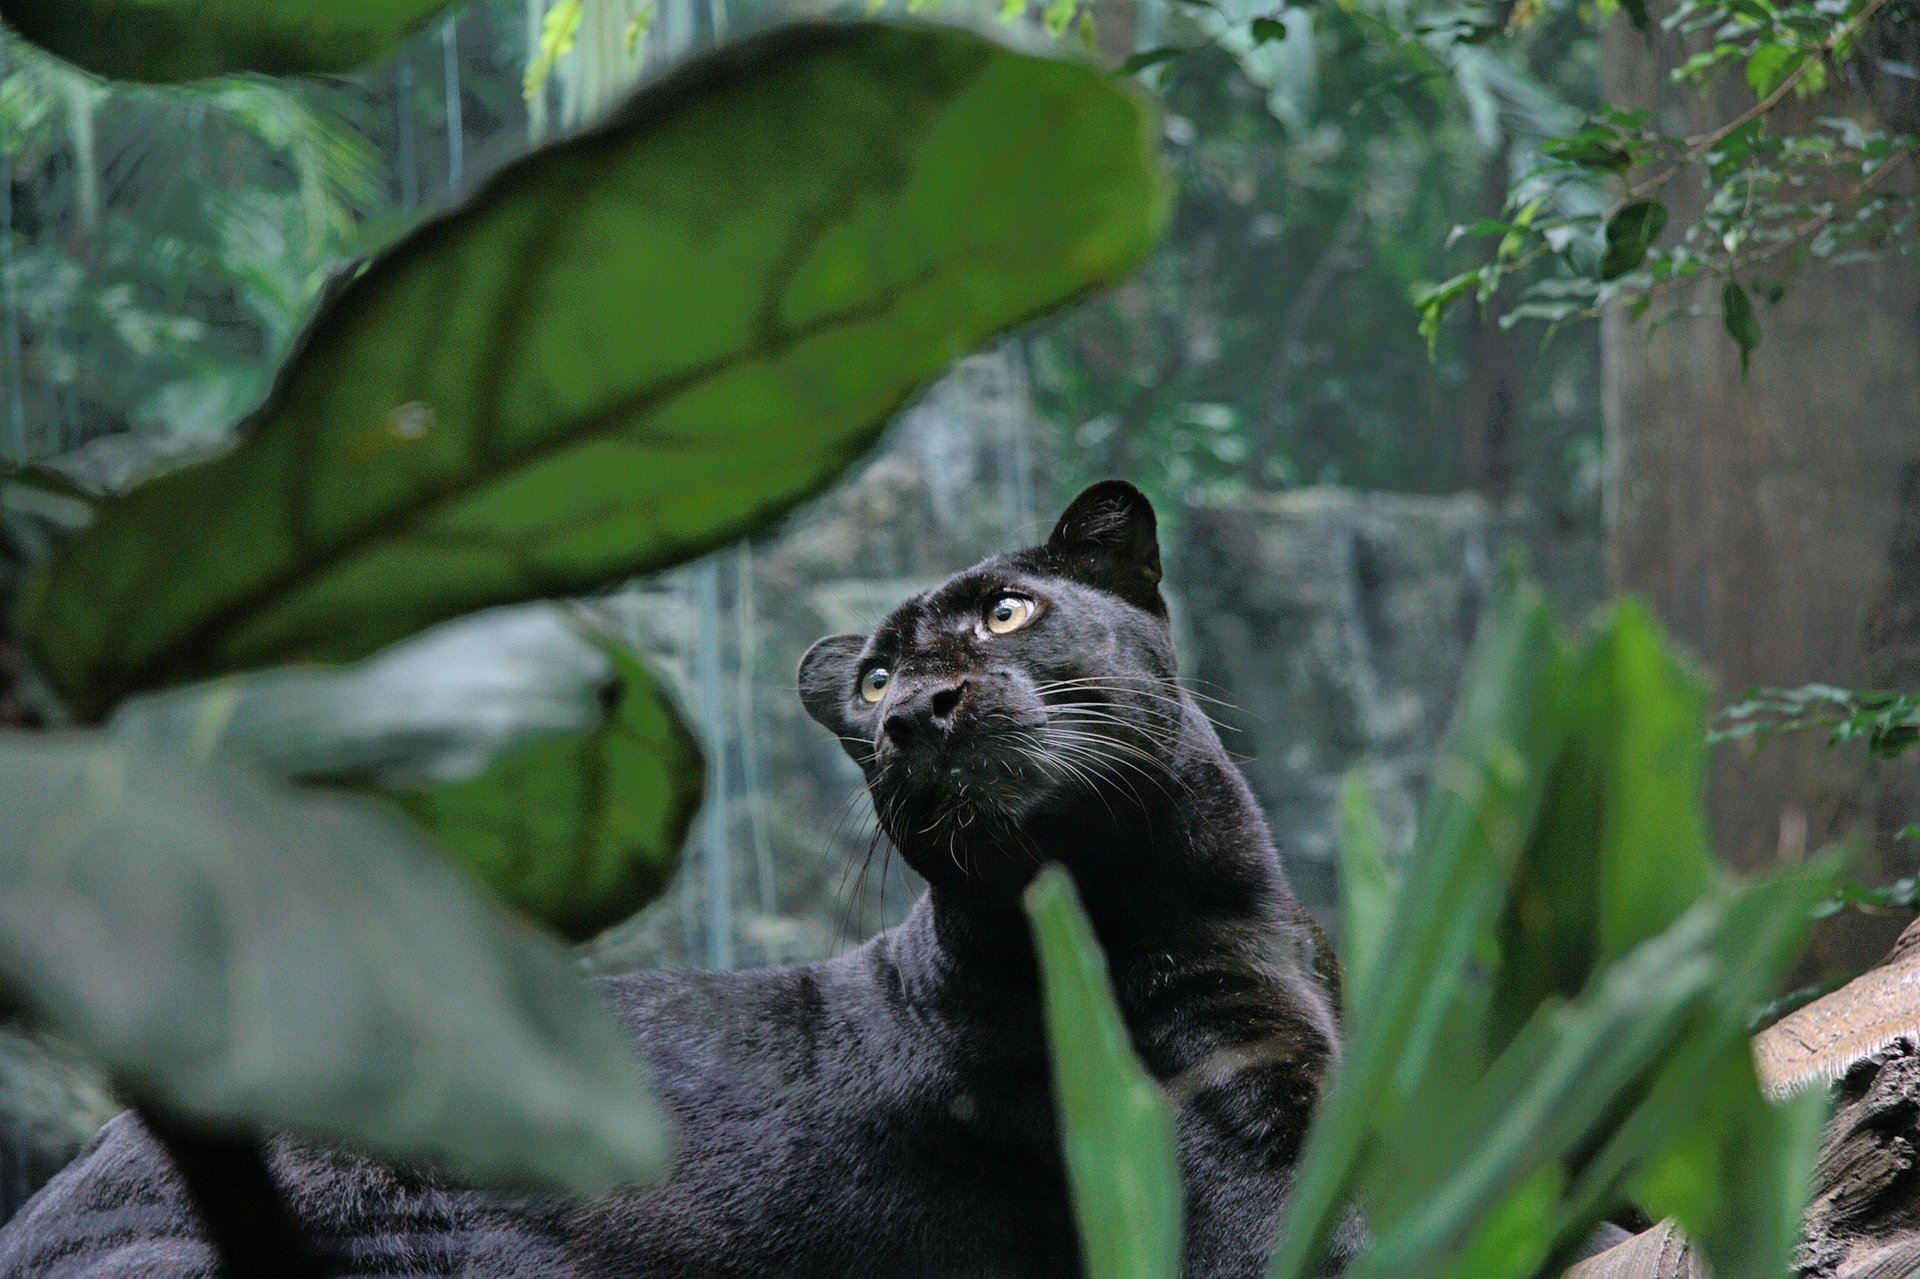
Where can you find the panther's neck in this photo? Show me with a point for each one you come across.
(1176, 881)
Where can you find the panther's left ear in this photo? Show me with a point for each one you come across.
(1110, 536)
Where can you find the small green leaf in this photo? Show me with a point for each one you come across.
(611, 360)
(1769, 67)
(1630, 234)
(1265, 30)
(1598, 149)
(581, 831)
(173, 40)
(1116, 1128)
(558, 32)
(256, 957)
(1147, 59)
(1736, 316)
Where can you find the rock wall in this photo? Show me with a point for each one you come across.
(1334, 626)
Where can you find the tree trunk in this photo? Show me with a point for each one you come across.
(1773, 518)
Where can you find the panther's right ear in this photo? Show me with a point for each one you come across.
(826, 688)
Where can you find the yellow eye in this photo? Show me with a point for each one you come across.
(1008, 614)
(873, 685)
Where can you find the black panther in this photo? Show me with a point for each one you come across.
(888, 1113)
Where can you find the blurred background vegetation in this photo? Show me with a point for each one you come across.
(1340, 438)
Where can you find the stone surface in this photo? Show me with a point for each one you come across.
(1336, 624)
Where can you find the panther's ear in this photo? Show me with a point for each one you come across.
(826, 687)
(1110, 536)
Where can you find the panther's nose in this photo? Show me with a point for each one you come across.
(926, 714)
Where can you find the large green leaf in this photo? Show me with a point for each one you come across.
(1115, 1125)
(578, 831)
(548, 762)
(245, 954)
(625, 349)
(443, 706)
(169, 40)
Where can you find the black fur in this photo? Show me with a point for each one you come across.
(888, 1113)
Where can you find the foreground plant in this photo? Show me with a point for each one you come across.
(628, 348)
(1549, 1000)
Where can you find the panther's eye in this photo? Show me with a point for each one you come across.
(1009, 613)
(873, 685)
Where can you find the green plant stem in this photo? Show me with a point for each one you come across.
(246, 1219)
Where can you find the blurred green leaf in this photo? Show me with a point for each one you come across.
(1147, 59)
(547, 762)
(613, 358)
(580, 831)
(1770, 65)
(1539, 1101)
(1645, 1077)
(1366, 885)
(171, 40)
(256, 957)
(1562, 1015)
(1630, 234)
(558, 30)
(1267, 30)
(1736, 316)
(1116, 1128)
(442, 706)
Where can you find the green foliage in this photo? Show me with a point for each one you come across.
(1559, 1021)
(172, 40)
(1116, 1128)
(579, 831)
(1774, 194)
(1737, 318)
(558, 31)
(169, 243)
(1591, 1042)
(254, 956)
(557, 385)
(1366, 888)
(1887, 724)
(1321, 156)
(544, 758)
(550, 436)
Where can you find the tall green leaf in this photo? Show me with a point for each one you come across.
(1366, 887)
(1479, 809)
(257, 957)
(1116, 1127)
(170, 40)
(626, 349)
(1620, 848)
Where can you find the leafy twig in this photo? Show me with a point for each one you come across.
(1697, 147)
